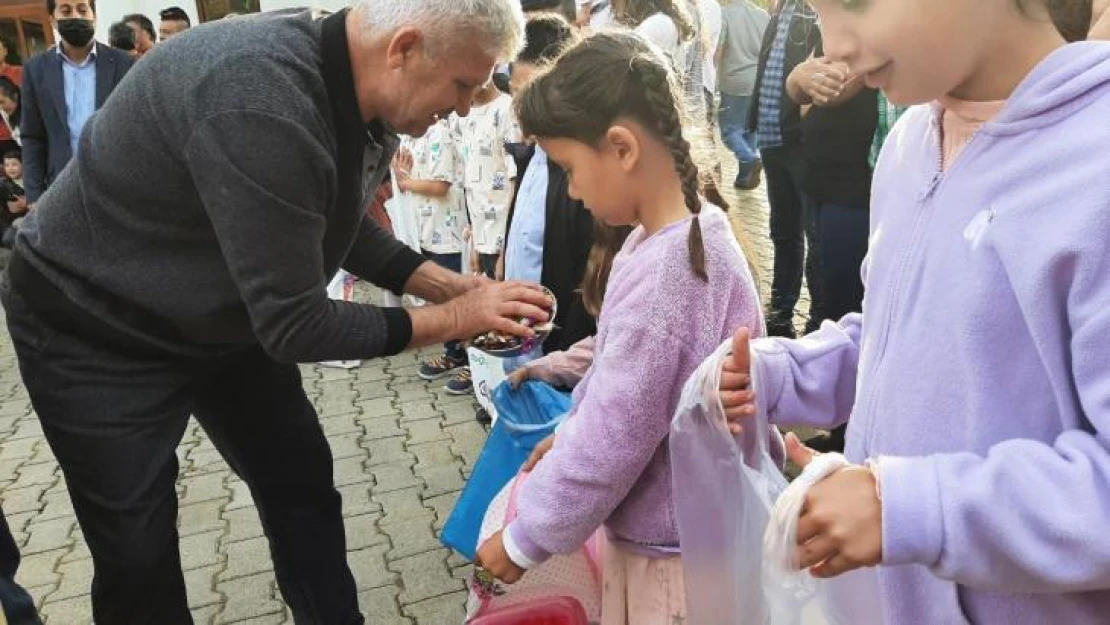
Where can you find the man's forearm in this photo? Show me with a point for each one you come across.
(436, 284)
(433, 325)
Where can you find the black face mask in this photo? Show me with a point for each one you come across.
(76, 31)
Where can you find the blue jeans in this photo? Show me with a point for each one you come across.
(733, 117)
(452, 349)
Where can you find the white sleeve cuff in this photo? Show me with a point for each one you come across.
(515, 554)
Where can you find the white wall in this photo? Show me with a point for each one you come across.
(330, 5)
(109, 12)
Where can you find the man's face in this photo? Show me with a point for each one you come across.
(421, 88)
(169, 28)
(143, 40)
(68, 9)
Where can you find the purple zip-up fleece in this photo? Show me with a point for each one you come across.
(979, 372)
(611, 464)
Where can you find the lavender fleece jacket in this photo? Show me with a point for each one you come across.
(611, 465)
(979, 373)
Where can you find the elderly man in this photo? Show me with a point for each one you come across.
(178, 266)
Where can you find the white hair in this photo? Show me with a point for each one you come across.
(496, 25)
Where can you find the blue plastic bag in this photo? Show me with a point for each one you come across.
(525, 417)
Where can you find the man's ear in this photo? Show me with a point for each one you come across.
(406, 42)
(621, 142)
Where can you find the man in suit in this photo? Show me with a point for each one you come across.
(62, 88)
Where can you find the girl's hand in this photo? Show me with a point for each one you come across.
(474, 262)
(538, 453)
(493, 558)
(736, 393)
(821, 80)
(402, 168)
(518, 377)
(841, 527)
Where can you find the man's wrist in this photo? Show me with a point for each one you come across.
(435, 324)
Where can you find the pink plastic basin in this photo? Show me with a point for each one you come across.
(552, 611)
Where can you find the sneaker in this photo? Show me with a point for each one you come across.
(461, 384)
(439, 367)
(483, 416)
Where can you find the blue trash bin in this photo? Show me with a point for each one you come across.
(525, 417)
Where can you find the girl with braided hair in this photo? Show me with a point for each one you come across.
(609, 112)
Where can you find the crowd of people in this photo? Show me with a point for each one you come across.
(574, 144)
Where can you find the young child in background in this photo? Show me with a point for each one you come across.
(427, 170)
(566, 368)
(977, 392)
(549, 234)
(609, 112)
(15, 201)
(489, 172)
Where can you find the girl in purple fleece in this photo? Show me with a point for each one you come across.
(976, 384)
(609, 114)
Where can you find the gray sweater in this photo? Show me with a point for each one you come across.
(216, 193)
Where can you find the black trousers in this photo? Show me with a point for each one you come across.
(793, 229)
(114, 419)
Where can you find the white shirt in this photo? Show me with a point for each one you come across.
(712, 22)
(599, 18)
(489, 170)
(661, 30)
(441, 219)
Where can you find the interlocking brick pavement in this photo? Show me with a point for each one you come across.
(402, 449)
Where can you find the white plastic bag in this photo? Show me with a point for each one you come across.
(723, 488)
(576, 575)
(342, 288)
(488, 372)
(795, 597)
(406, 229)
(406, 225)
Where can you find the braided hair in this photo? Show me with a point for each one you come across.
(605, 77)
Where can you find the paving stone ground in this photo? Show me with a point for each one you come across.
(403, 449)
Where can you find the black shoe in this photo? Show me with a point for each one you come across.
(482, 416)
(827, 443)
(781, 327)
(751, 181)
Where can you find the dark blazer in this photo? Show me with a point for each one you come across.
(44, 130)
(567, 238)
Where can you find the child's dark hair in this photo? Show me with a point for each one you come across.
(608, 240)
(606, 77)
(11, 91)
(121, 37)
(16, 154)
(632, 13)
(546, 36)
